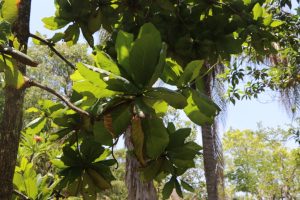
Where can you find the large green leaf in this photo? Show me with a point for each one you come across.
(54, 23)
(124, 44)
(200, 109)
(185, 151)
(173, 98)
(168, 188)
(257, 11)
(157, 137)
(160, 106)
(144, 55)
(90, 150)
(160, 66)
(10, 10)
(152, 170)
(172, 72)
(178, 137)
(191, 72)
(70, 157)
(86, 81)
(121, 116)
(104, 62)
(13, 77)
(101, 134)
(36, 126)
(93, 77)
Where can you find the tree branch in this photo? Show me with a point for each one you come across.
(21, 195)
(18, 55)
(30, 83)
(51, 46)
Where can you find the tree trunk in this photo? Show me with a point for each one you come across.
(137, 190)
(11, 124)
(212, 153)
(210, 163)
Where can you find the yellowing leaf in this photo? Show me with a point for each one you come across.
(276, 23)
(10, 10)
(137, 138)
(257, 11)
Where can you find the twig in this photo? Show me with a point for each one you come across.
(30, 83)
(51, 46)
(18, 55)
(21, 195)
(112, 153)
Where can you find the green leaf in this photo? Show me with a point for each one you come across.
(257, 11)
(247, 2)
(5, 32)
(186, 151)
(168, 188)
(137, 138)
(276, 23)
(71, 35)
(157, 137)
(123, 47)
(36, 126)
(87, 34)
(187, 186)
(172, 72)
(86, 81)
(121, 116)
(101, 134)
(91, 76)
(104, 62)
(90, 150)
(160, 66)
(173, 98)
(70, 157)
(144, 55)
(151, 171)
(178, 137)
(160, 106)
(200, 109)
(13, 77)
(178, 188)
(54, 23)
(10, 10)
(268, 20)
(191, 72)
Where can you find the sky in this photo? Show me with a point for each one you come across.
(242, 115)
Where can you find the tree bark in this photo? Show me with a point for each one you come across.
(11, 124)
(210, 163)
(137, 190)
(212, 153)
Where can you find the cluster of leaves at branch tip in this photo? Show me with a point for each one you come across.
(118, 95)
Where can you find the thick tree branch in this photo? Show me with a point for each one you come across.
(21, 195)
(31, 83)
(51, 46)
(18, 55)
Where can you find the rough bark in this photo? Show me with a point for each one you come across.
(210, 163)
(137, 190)
(11, 124)
(212, 154)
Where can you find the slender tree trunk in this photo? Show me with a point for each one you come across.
(11, 124)
(137, 190)
(210, 163)
(212, 154)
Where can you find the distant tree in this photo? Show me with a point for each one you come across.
(259, 164)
